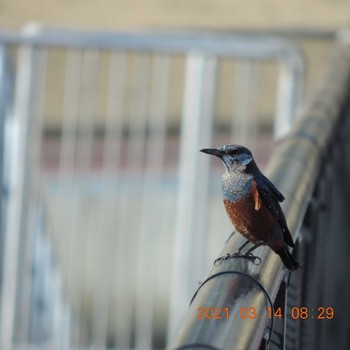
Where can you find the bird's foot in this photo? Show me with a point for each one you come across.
(255, 259)
(247, 255)
(222, 259)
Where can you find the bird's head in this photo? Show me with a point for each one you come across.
(235, 157)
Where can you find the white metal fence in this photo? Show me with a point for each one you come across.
(107, 218)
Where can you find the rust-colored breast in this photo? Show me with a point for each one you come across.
(254, 224)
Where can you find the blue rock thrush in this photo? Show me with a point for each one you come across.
(252, 204)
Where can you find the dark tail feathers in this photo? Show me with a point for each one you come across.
(287, 259)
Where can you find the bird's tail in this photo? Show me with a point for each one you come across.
(287, 258)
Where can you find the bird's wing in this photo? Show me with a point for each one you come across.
(256, 196)
(265, 182)
(270, 196)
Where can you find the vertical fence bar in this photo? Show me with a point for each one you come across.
(289, 94)
(34, 196)
(112, 143)
(16, 143)
(131, 208)
(242, 85)
(84, 170)
(66, 170)
(87, 112)
(114, 114)
(193, 181)
(115, 120)
(70, 112)
(6, 82)
(244, 124)
(151, 202)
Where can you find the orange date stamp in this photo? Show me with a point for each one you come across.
(302, 313)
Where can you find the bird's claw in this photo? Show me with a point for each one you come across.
(250, 256)
(222, 259)
(255, 259)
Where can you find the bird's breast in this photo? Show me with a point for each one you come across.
(255, 225)
(236, 186)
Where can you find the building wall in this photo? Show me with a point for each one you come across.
(228, 14)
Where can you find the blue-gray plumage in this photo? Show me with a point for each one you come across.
(252, 202)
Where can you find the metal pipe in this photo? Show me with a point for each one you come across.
(17, 130)
(238, 45)
(238, 284)
(198, 112)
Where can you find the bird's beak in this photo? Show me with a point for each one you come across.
(212, 151)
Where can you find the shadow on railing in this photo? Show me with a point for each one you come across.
(239, 305)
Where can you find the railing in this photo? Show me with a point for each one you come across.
(124, 191)
(311, 167)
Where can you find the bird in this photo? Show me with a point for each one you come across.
(252, 203)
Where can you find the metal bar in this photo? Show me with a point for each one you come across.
(151, 206)
(18, 127)
(193, 178)
(33, 193)
(114, 113)
(245, 104)
(84, 138)
(294, 167)
(133, 206)
(6, 92)
(243, 77)
(237, 45)
(111, 162)
(67, 159)
(87, 113)
(289, 94)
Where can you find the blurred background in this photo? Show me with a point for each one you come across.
(110, 216)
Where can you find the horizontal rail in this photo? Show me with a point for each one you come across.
(250, 46)
(294, 167)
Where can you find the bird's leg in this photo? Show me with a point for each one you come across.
(249, 251)
(242, 246)
(239, 253)
(247, 255)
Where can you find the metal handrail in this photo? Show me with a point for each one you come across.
(237, 284)
(265, 46)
